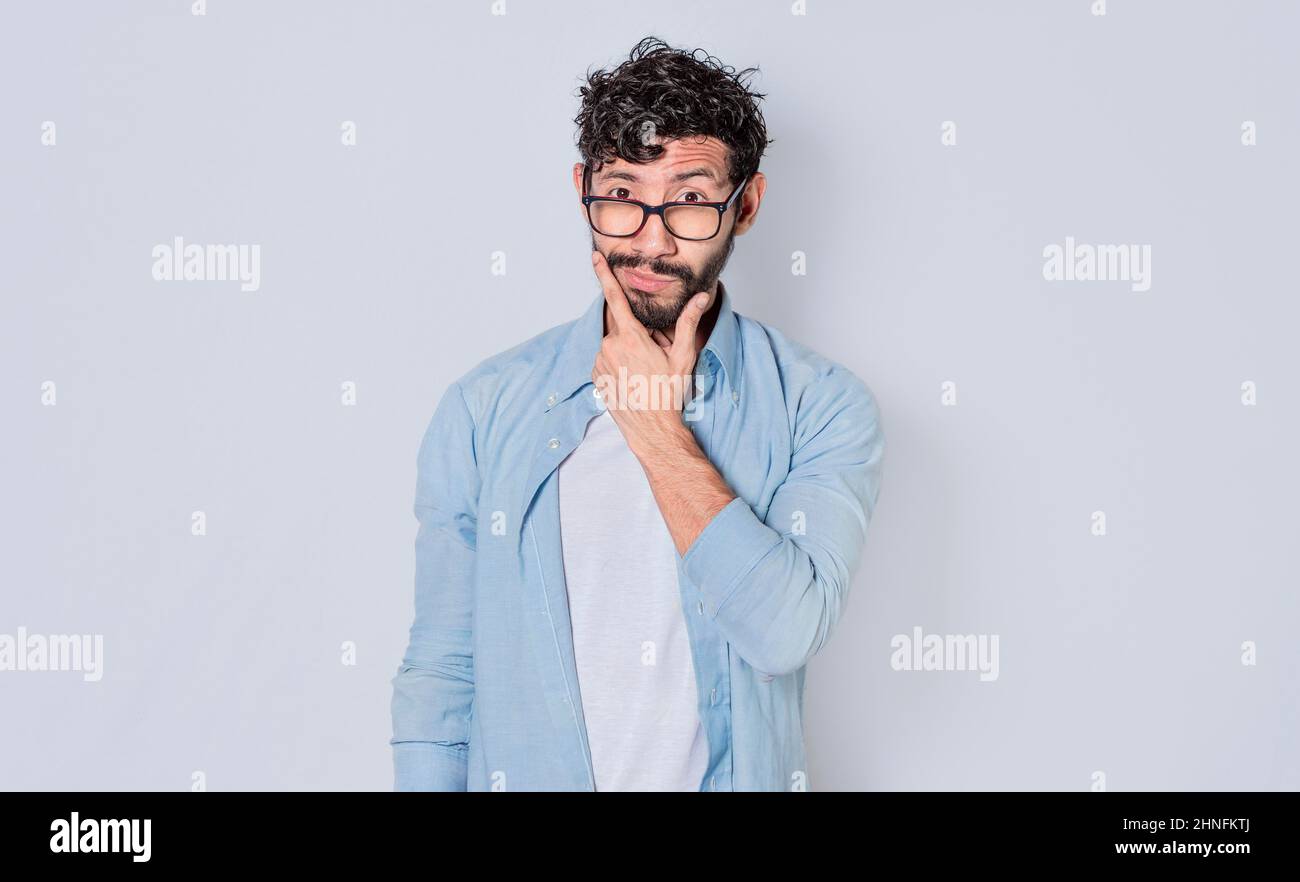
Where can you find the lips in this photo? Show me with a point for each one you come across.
(646, 283)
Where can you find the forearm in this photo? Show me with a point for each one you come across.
(429, 767)
(433, 690)
(759, 586)
(686, 486)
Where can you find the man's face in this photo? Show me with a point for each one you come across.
(659, 272)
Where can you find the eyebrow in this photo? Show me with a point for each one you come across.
(696, 173)
(620, 175)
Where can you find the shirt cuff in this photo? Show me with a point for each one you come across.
(422, 766)
(726, 550)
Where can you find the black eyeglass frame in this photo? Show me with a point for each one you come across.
(647, 210)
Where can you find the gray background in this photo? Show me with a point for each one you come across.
(1119, 653)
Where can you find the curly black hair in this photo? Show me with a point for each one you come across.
(672, 93)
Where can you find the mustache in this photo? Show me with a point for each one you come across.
(656, 266)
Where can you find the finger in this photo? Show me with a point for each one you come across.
(683, 349)
(614, 296)
(662, 339)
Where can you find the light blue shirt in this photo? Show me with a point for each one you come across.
(486, 696)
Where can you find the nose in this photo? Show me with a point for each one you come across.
(654, 240)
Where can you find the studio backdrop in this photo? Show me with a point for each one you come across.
(1056, 239)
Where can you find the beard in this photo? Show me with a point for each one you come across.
(649, 309)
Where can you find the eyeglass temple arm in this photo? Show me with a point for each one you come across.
(740, 188)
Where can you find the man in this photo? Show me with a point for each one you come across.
(637, 527)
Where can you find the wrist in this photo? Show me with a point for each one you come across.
(668, 440)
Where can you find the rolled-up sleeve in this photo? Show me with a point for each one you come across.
(777, 587)
(433, 690)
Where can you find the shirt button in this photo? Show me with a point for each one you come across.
(713, 696)
(735, 396)
(550, 399)
(553, 443)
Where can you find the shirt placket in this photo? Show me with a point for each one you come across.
(710, 651)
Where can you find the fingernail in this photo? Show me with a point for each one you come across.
(701, 300)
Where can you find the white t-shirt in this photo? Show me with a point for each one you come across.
(635, 669)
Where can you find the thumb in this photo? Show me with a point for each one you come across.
(688, 322)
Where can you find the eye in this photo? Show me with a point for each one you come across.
(692, 197)
(621, 193)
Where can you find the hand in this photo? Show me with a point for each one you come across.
(643, 377)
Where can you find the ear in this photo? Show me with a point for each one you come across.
(749, 201)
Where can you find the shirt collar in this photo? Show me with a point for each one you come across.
(578, 349)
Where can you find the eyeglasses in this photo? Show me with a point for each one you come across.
(624, 218)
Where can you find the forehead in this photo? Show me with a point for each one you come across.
(679, 154)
